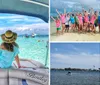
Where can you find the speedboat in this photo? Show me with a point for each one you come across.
(33, 35)
(69, 73)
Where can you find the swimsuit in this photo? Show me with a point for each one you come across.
(76, 20)
(80, 19)
(92, 19)
(63, 19)
(58, 24)
(58, 28)
(72, 19)
(67, 26)
(7, 57)
(86, 19)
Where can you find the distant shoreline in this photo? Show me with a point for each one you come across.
(36, 35)
(74, 69)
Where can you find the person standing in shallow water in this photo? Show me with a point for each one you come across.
(9, 50)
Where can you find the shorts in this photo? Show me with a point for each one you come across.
(58, 29)
(67, 26)
(91, 23)
(63, 23)
(96, 24)
(76, 23)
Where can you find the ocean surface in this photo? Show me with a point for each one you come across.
(33, 48)
(76, 78)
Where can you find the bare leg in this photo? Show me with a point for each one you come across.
(79, 28)
(63, 28)
(57, 32)
(85, 27)
(73, 27)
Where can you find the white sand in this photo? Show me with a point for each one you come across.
(73, 36)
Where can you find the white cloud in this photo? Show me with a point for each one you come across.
(36, 20)
(39, 28)
(12, 17)
(75, 3)
(82, 60)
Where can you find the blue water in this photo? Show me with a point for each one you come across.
(76, 78)
(33, 48)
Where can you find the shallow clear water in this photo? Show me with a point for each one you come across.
(33, 48)
(76, 78)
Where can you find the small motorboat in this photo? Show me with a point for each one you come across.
(33, 35)
(69, 73)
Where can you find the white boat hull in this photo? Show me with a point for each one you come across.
(35, 73)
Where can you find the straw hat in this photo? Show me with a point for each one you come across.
(9, 36)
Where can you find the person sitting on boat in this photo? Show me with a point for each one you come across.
(9, 50)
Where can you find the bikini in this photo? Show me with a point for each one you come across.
(62, 17)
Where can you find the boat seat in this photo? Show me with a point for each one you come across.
(35, 73)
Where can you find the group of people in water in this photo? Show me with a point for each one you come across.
(85, 21)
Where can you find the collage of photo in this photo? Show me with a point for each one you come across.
(49, 42)
(75, 42)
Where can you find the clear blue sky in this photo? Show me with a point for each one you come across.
(21, 23)
(76, 55)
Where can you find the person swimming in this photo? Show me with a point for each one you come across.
(9, 50)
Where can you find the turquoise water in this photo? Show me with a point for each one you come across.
(33, 48)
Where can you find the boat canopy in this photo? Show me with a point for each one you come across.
(35, 8)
